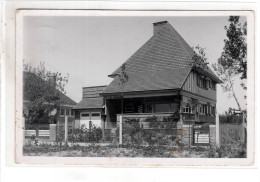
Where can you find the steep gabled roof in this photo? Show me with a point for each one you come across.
(166, 57)
(164, 50)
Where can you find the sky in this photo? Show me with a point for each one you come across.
(90, 47)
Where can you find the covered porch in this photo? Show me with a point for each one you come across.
(140, 107)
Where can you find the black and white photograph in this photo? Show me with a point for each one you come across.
(127, 85)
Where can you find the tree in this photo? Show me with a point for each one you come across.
(228, 76)
(42, 94)
(199, 60)
(233, 60)
(123, 78)
(235, 50)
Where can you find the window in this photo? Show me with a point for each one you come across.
(72, 112)
(67, 112)
(204, 109)
(199, 80)
(214, 85)
(149, 108)
(204, 84)
(62, 112)
(84, 114)
(202, 81)
(185, 109)
(213, 110)
(95, 114)
(129, 108)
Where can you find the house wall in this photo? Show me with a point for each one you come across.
(90, 92)
(79, 111)
(190, 85)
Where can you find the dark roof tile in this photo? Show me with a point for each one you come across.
(163, 62)
(90, 103)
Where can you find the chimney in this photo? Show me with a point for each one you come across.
(158, 25)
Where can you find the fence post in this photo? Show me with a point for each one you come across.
(217, 131)
(66, 130)
(120, 129)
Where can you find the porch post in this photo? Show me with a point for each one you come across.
(120, 129)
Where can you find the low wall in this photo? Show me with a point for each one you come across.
(212, 135)
(53, 132)
(187, 135)
(42, 133)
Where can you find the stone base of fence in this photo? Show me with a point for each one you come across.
(187, 135)
(212, 135)
(53, 130)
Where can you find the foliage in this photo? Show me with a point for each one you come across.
(199, 60)
(123, 76)
(235, 51)
(233, 60)
(227, 152)
(193, 103)
(127, 150)
(42, 90)
(165, 122)
(153, 122)
(78, 135)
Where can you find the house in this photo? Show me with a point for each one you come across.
(66, 103)
(90, 109)
(162, 79)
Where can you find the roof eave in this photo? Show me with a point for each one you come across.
(139, 92)
(213, 77)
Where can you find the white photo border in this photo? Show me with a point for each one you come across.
(133, 162)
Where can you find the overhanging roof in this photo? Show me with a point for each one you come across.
(163, 62)
(167, 79)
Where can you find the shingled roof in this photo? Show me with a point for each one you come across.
(163, 62)
(90, 103)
